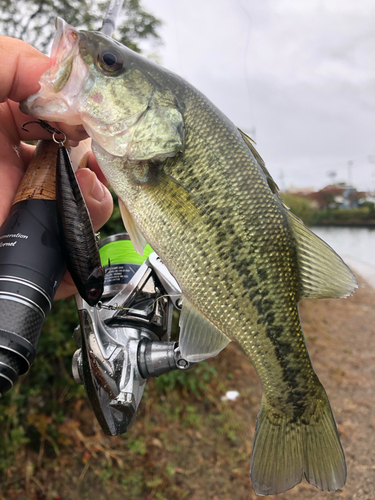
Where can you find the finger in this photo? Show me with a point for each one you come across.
(97, 197)
(13, 160)
(20, 69)
(26, 152)
(67, 288)
(92, 164)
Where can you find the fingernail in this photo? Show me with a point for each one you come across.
(97, 192)
(90, 184)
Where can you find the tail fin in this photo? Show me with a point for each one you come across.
(283, 450)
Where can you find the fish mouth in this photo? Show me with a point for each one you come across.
(62, 81)
(63, 52)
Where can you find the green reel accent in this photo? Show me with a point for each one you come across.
(122, 251)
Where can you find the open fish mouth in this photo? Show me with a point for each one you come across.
(65, 37)
(64, 50)
(71, 81)
(62, 82)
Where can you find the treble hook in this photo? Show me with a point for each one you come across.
(46, 126)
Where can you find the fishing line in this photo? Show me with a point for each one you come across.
(246, 73)
(116, 307)
(122, 251)
(111, 17)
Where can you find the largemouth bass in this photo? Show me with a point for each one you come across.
(194, 187)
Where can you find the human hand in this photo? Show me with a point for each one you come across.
(20, 70)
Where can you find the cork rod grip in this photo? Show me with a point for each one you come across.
(39, 181)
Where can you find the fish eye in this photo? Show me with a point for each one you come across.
(110, 60)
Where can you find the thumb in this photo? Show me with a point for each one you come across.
(97, 197)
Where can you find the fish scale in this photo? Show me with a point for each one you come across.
(255, 203)
(227, 255)
(193, 186)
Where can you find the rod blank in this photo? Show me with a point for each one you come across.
(110, 20)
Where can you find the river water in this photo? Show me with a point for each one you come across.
(355, 245)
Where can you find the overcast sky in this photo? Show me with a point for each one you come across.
(299, 76)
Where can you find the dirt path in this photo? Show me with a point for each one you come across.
(341, 340)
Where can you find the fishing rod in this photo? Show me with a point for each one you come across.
(111, 17)
(31, 265)
(32, 261)
(123, 339)
(125, 302)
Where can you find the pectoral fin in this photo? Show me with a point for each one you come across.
(138, 240)
(323, 273)
(199, 338)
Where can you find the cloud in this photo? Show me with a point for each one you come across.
(302, 73)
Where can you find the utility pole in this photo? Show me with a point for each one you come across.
(332, 175)
(350, 164)
(281, 177)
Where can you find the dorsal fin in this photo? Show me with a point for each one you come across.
(323, 273)
(250, 144)
(199, 338)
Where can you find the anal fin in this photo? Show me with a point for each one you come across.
(199, 338)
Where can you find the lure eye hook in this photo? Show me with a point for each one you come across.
(93, 293)
(52, 130)
(61, 141)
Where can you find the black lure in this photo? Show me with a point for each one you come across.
(79, 243)
(80, 249)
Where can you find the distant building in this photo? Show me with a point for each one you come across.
(339, 195)
(300, 191)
